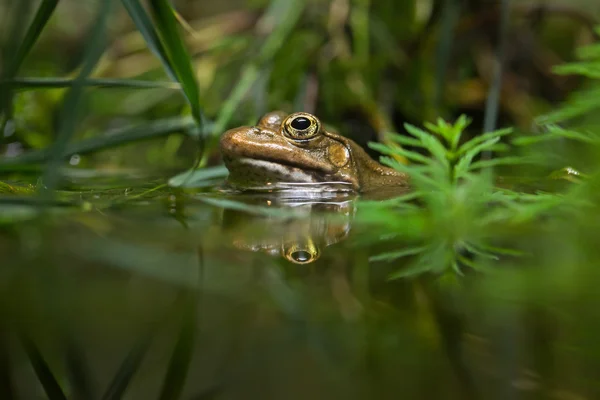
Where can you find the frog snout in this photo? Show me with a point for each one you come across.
(234, 140)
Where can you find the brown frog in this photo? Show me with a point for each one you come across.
(294, 150)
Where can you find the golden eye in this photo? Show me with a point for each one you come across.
(301, 126)
(302, 250)
(302, 255)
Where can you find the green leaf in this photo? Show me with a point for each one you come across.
(431, 143)
(501, 250)
(590, 69)
(589, 52)
(15, 50)
(7, 384)
(130, 365)
(394, 255)
(464, 162)
(71, 105)
(44, 12)
(483, 138)
(181, 357)
(107, 140)
(555, 132)
(52, 83)
(198, 177)
(404, 140)
(411, 155)
(533, 139)
(395, 201)
(580, 103)
(180, 61)
(584, 136)
(498, 161)
(284, 15)
(477, 251)
(144, 25)
(415, 269)
(459, 127)
(249, 76)
(42, 370)
(417, 175)
(78, 370)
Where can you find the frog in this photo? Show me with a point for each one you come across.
(295, 150)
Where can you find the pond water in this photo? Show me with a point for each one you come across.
(268, 297)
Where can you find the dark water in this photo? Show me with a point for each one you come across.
(271, 298)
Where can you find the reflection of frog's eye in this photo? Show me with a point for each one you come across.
(301, 253)
(301, 126)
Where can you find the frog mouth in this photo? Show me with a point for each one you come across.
(278, 170)
(253, 174)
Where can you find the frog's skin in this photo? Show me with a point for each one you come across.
(295, 149)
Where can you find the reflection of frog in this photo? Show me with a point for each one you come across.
(294, 150)
(299, 239)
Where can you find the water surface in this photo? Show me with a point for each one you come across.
(276, 298)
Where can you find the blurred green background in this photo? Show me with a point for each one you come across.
(364, 67)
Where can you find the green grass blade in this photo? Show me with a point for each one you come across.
(465, 161)
(483, 138)
(431, 143)
(411, 271)
(579, 104)
(498, 161)
(6, 367)
(110, 139)
(69, 114)
(144, 25)
(78, 371)
(180, 60)
(10, 46)
(42, 370)
(249, 76)
(587, 52)
(450, 18)
(127, 370)
(492, 105)
(585, 136)
(394, 255)
(37, 202)
(589, 69)
(54, 83)
(199, 178)
(359, 21)
(181, 357)
(404, 140)
(286, 13)
(44, 12)
(417, 175)
(411, 155)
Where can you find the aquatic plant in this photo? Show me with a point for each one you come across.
(460, 209)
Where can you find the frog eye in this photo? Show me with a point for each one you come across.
(301, 126)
